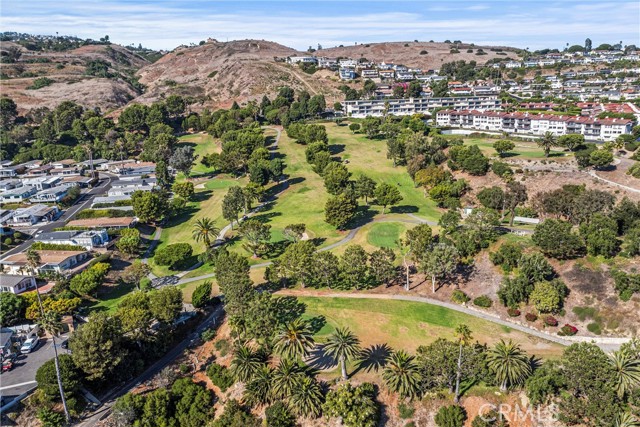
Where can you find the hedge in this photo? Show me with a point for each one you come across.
(483, 301)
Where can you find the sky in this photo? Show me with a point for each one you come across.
(166, 24)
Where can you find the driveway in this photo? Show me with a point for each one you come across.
(22, 377)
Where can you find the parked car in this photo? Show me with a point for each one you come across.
(29, 345)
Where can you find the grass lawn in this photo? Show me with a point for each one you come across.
(407, 325)
(523, 150)
(303, 201)
(202, 144)
(207, 203)
(385, 234)
(369, 157)
(109, 302)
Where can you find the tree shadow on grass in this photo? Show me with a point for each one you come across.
(336, 149)
(277, 248)
(374, 358)
(319, 359)
(201, 196)
(317, 323)
(403, 209)
(364, 215)
(289, 308)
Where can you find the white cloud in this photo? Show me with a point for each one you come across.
(170, 24)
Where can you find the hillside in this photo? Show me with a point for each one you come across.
(214, 74)
(409, 53)
(217, 73)
(111, 86)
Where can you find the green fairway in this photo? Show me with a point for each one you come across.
(522, 150)
(207, 203)
(202, 144)
(407, 324)
(385, 234)
(369, 157)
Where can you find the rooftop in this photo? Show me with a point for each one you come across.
(46, 257)
(12, 280)
(102, 222)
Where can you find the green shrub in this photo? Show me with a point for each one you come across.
(594, 328)
(223, 347)
(459, 297)
(451, 416)
(8, 241)
(173, 255)
(513, 312)
(44, 246)
(208, 334)
(220, 376)
(405, 411)
(483, 301)
(41, 82)
(49, 418)
(201, 295)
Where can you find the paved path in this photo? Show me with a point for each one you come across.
(594, 174)
(605, 343)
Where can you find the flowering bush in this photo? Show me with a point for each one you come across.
(531, 317)
(550, 321)
(568, 330)
(513, 312)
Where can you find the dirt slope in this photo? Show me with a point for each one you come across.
(218, 73)
(409, 53)
(67, 69)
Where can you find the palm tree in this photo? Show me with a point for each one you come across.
(547, 141)
(342, 346)
(245, 363)
(259, 391)
(286, 378)
(627, 371)
(626, 419)
(50, 322)
(204, 229)
(509, 363)
(306, 400)
(295, 340)
(402, 374)
(463, 333)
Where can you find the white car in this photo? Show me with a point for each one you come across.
(29, 345)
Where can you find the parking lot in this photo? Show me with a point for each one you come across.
(23, 375)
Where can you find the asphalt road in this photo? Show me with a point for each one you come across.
(108, 400)
(23, 375)
(82, 203)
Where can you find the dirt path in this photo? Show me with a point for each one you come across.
(297, 76)
(607, 344)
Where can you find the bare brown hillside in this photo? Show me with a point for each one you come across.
(214, 74)
(409, 53)
(67, 69)
(218, 73)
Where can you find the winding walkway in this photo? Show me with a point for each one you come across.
(605, 343)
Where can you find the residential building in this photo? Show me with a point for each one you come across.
(347, 74)
(110, 200)
(51, 195)
(302, 59)
(108, 223)
(348, 63)
(134, 168)
(33, 214)
(128, 187)
(535, 124)
(42, 182)
(10, 171)
(17, 195)
(89, 239)
(387, 74)
(329, 63)
(63, 262)
(409, 106)
(16, 283)
(369, 74)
